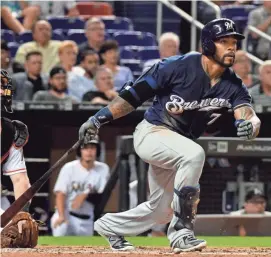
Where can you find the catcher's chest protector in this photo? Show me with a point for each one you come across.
(7, 137)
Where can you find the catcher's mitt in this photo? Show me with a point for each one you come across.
(12, 238)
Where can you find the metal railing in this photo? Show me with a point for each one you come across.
(214, 6)
(194, 23)
(253, 29)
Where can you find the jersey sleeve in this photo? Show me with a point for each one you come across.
(161, 74)
(15, 162)
(103, 178)
(242, 97)
(62, 182)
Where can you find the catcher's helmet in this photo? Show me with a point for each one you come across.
(7, 92)
(94, 141)
(214, 30)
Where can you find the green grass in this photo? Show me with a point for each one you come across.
(156, 241)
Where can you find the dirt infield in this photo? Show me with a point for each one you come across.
(49, 251)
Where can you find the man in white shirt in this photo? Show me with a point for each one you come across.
(78, 184)
(255, 203)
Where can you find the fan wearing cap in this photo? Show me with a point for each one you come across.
(77, 189)
(255, 203)
(57, 88)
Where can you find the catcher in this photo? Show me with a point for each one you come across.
(22, 230)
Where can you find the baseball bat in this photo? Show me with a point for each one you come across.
(19, 203)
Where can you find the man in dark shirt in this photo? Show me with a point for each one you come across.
(95, 34)
(29, 82)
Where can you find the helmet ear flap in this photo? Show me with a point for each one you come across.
(208, 47)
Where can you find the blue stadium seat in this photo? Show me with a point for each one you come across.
(148, 53)
(66, 23)
(77, 35)
(134, 65)
(231, 11)
(118, 23)
(127, 53)
(13, 47)
(27, 37)
(241, 23)
(135, 38)
(7, 35)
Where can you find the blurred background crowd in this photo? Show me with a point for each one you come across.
(82, 51)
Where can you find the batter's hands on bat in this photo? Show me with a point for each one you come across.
(244, 129)
(60, 220)
(89, 129)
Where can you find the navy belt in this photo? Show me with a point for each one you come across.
(80, 216)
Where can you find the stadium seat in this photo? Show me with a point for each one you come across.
(231, 11)
(134, 65)
(13, 47)
(148, 53)
(77, 35)
(127, 53)
(7, 35)
(65, 23)
(241, 23)
(94, 8)
(118, 23)
(27, 36)
(135, 38)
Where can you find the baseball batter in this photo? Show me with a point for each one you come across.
(190, 92)
(22, 231)
(77, 180)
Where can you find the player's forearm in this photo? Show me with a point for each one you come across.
(60, 203)
(120, 107)
(20, 183)
(247, 113)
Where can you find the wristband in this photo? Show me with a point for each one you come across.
(102, 117)
(237, 122)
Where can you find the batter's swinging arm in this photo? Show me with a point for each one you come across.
(18, 204)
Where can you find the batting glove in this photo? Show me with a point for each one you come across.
(89, 129)
(244, 129)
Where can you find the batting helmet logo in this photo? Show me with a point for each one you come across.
(214, 30)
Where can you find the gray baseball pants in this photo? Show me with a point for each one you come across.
(174, 162)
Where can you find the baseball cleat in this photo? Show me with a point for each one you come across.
(189, 243)
(117, 243)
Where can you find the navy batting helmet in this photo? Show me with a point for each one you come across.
(214, 30)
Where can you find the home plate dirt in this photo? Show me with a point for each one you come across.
(76, 251)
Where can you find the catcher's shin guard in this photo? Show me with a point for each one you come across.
(186, 208)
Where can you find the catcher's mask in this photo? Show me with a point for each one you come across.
(94, 141)
(6, 92)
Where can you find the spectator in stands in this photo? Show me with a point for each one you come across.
(78, 189)
(11, 10)
(81, 80)
(67, 53)
(95, 34)
(261, 19)
(54, 8)
(42, 34)
(27, 83)
(5, 57)
(105, 88)
(242, 67)
(169, 43)
(57, 88)
(261, 93)
(109, 53)
(255, 203)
